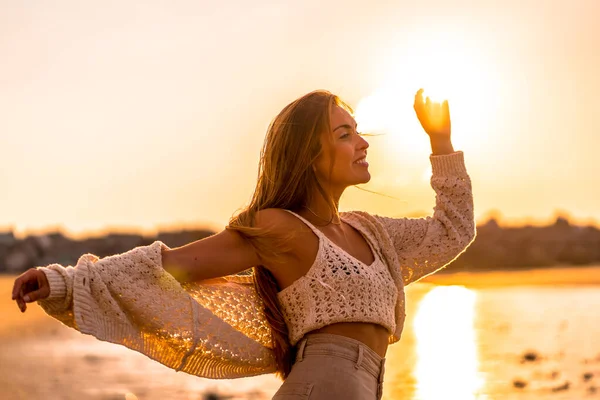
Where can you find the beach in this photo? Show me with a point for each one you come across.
(497, 335)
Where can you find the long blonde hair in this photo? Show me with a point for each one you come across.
(286, 179)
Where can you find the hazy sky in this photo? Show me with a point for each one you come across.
(138, 115)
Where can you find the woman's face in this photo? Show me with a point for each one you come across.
(348, 148)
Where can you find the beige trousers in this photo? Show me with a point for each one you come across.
(332, 367)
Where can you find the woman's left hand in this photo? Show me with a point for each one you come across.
(434, 117)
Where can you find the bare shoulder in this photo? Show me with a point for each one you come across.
(287, 227)
(303, 246)
(278, 220)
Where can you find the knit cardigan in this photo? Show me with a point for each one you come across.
(216, 328)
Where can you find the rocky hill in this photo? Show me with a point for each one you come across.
(494, 248)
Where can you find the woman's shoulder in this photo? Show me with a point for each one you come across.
(277, 219)
(289, 229)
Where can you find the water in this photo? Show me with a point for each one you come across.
(458, 343)
(476, 344)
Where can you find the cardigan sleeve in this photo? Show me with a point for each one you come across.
(214, 328)
(425, 245)
(59, 303)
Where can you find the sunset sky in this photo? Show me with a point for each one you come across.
(151, 115)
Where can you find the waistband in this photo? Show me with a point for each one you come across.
(342, 346)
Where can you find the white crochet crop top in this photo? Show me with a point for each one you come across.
(339, 288)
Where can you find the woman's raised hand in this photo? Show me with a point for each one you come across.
(30, 286)
(434, 117)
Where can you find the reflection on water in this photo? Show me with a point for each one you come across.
(447, 364)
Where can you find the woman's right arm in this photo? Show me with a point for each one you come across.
(222, 254)
(130, 299)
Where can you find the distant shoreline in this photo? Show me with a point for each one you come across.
(559, 276)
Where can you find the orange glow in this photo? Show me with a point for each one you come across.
(124, 126)
(449, 67)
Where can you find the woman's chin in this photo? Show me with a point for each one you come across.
(366, 179)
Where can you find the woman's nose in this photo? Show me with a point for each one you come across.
(363, 142)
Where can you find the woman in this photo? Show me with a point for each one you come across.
(327, 293)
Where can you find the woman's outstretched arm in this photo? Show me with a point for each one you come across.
(225, 253)
(210, 329)
(222, 254)
(219, 255)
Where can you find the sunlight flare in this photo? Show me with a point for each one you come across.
(447, 359)
(448, 66)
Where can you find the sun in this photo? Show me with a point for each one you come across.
(448, 65)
